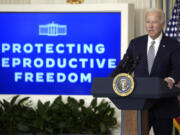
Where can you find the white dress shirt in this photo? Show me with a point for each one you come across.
(156, 45)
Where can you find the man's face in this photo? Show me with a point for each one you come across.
(153, 24)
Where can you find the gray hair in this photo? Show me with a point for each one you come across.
(157, 10)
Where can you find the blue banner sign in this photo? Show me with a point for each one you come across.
(57, 53)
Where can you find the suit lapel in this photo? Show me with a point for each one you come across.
(144, 53)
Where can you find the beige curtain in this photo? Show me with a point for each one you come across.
(167, 6)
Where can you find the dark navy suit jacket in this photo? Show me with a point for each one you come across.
(166, 64)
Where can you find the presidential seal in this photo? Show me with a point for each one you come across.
(123, 84)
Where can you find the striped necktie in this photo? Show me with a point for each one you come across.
(151, 55)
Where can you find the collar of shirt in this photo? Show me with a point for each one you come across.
(157, 43)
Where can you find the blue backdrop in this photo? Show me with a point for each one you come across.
(57, 53)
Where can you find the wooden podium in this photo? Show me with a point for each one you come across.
(135, 106)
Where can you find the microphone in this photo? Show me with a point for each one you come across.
(136, 62)
(126, 63)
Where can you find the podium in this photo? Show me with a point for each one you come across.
(135, 106)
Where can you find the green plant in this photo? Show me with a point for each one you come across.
(16, 116)
(57, 117)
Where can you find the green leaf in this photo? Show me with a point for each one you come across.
(23, 100)
(23, 127)
(94, 103)
(102, 127)
(58, 100)
(81, 102)
(14, 100)
(47, 104)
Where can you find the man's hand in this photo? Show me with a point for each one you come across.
(169, 82)
(178, 84)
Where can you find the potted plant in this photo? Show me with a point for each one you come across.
(58, 117)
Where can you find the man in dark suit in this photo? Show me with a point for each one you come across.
(160, 57)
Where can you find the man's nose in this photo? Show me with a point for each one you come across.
(150, 25)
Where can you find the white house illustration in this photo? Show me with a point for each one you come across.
(53, 29)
